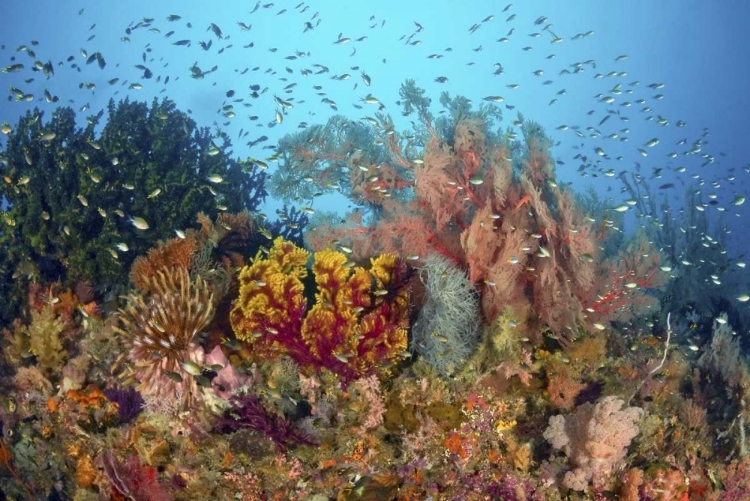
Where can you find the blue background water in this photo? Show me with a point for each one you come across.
(696, 48)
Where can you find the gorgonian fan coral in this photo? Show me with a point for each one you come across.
(162, 326)
(490, 205)
(357, 324)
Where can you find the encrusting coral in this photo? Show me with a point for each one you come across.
(357, 324)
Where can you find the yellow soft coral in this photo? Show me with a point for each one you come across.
(358, 321)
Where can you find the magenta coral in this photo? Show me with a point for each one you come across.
(595, 439)
(356, 326)
(248, 413)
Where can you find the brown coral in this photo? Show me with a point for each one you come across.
(175, 253)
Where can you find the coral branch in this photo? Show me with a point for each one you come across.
(357, 323)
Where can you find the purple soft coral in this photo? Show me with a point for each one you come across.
(129, 403)
(248, 412)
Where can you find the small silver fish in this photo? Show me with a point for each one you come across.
(139, 223)
(191, 368)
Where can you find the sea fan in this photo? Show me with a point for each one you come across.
(129, 403)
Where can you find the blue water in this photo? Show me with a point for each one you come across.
(693, 48)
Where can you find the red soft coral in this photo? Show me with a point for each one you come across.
(132, 480)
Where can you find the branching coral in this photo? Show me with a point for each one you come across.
(68, 196)
(318, 154)
(492, 207)
(161, 326)
(357, 323)
(595, 439)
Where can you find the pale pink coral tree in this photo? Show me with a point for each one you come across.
(595, 439)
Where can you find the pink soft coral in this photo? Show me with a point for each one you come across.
(595, 439)
(228, 379)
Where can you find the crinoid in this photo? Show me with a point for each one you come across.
(162, 326)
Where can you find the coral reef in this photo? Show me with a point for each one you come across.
(290, 379)
(356, 326)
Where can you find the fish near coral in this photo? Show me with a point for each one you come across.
(366, 488)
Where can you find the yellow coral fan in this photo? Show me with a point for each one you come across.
(357, 323)
(271, 297)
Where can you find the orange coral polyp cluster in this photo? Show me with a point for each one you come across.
(92, 397)
(351, 328)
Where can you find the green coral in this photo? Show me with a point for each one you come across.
(70, 191)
